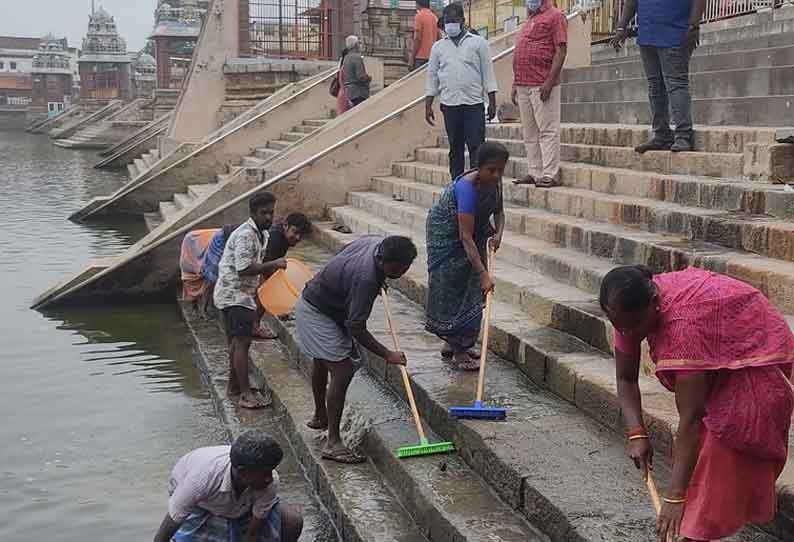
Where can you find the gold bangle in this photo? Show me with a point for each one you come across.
(674, 501)
(639, 437)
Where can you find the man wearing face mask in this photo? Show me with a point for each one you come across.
(460, 73)
(537, 63)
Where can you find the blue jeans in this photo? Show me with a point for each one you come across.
(465, 126)
(667, 71)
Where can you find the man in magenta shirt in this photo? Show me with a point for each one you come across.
(537, 63)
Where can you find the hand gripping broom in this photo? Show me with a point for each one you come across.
(478, 411)
(424, 447)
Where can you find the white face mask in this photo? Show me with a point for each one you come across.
(534, 5)
(452, 29)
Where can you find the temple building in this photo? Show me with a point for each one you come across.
(144, 75)
(176, 31)
(52, 78)
(105, 66)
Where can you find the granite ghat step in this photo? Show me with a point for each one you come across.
(725, 194)
(279, 144)
(609, 242)
(753, 233)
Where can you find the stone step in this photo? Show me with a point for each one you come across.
(149, 159)
(704, 164)
(222, 177)
(141, 165)
(197, 191)
(580, 252)
(279, 144)
(155, 153)
(292, 136)
(132, 170)
(756, 81)
(263, 153)
(720, 139)
(441, 501)
(732, 40)
(167, 210)
(296, 489)
(727, 195)
(554, 461)
(733, 60)
(362, 506)
(318, 123)
(183, 201)
(753, 233)
(152, 220)
(252, 161)
(744, 111)
(304, 129)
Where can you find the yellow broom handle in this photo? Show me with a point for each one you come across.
(654, 491)
(404, 371)
(487, 328)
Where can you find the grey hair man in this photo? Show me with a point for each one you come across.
(355, 74)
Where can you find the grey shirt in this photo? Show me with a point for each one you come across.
(462, 73)
(355, 77)
(347, 287)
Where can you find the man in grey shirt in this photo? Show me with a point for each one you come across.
(332, 312)
(355, 75)
(461, 73)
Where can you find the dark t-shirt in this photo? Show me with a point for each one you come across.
(347, 287)
(277, 245)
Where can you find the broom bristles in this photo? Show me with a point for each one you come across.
(472, 412)
(425, 449)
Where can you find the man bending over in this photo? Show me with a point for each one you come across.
(332, 313)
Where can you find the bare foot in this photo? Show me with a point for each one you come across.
(253, 400)
(260, 332)
(464, 362)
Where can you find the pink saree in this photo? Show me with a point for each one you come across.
(719, 325)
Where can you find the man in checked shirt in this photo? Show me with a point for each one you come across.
(537, 63)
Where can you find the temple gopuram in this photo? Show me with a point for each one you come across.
(176, 31)
(105, 70)
(53, 84)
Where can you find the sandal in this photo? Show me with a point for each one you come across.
(547, 182)
(317, 426)
(253, 401)
(469, 366)
(447, 353)
(260, 333)
(345, 456)
(529, 179)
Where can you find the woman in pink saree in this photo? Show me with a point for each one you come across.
(727, 354)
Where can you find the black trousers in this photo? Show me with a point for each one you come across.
(465, 126)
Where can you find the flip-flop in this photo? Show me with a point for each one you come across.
(470, 367)
(529, 179)
(346, 457)
(311, 424)
(251, 405)
(260, 334)
(447, 354)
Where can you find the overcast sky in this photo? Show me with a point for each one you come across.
(69, 18)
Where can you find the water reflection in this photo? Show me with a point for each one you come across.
(98, 402)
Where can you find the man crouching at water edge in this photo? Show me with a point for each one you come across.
(235, 292)
(332, 313)
(229, 494)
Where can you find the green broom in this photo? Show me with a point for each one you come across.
(424, 447)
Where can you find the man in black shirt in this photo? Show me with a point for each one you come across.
(282, 238)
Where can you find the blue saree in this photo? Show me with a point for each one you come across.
(454, 300)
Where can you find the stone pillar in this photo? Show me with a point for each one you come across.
(163, 57)
(244, 28)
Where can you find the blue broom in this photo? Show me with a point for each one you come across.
(479, 412)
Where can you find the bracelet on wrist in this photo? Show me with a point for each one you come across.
(639, 437)
(679, 500)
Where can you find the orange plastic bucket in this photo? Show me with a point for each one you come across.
(281, 291)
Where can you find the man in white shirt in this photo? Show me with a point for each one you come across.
(460, 73)
(239, 275)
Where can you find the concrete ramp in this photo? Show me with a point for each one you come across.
(144, 139)
(48, 124)
(70, 128)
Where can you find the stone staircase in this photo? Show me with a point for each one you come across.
(141, 165)
(261, 156)
(719, 208)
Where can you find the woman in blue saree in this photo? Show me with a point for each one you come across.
(468, 214)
